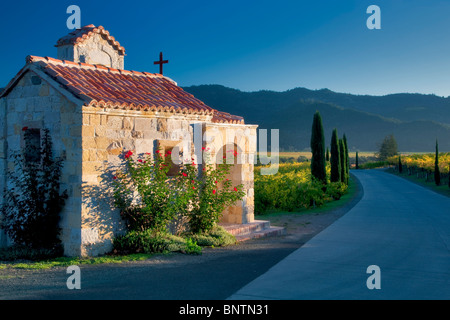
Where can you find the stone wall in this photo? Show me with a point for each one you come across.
(33, 103)
(94, 50)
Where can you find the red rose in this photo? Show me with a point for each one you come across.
(128, 154)
(185, 174)
(24, 128)
(235, 189)
(214, 191)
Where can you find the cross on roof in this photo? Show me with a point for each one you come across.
(161, 62)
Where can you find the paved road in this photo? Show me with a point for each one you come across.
(398, 226)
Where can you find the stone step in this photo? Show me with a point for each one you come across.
(252, 230)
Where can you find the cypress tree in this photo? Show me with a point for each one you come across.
(400, 166)
(437, 174)
(347, 160)
(356, 161)
(318, 169)
(342, 160)
(327, 155)
(334, 158)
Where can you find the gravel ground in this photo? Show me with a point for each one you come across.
(214, 275)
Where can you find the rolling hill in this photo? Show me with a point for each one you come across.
(415, 120)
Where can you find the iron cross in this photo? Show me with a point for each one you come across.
(161, 62)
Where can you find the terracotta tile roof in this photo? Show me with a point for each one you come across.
(104, 87)
(79, 35)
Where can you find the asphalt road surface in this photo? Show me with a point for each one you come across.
(394, 244)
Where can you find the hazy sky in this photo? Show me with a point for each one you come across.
(254, 45)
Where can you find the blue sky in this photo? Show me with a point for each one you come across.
(255, 45)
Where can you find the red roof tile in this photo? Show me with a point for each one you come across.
(99, 86)
(80, 35)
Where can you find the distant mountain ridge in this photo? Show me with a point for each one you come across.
(416, 120)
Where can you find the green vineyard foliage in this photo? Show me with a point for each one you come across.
(293, 188)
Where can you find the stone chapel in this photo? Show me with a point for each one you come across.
(95, 110)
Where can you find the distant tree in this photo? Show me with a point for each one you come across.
(347, 160)
(327, 155)
(335, 163)
(388, 148)
(356, 161)
(318, 168)
(437, 173)
(342, 160)
(400, 166)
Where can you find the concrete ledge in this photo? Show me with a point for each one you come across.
(253, 230)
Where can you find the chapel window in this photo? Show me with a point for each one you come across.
(32, 138)
(174, 153)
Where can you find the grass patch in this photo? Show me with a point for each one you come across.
(153, 245)
(68, 261)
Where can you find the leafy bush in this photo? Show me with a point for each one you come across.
(33, 201)
(336, 190)
(293, 188)
(147, 241)
(216, 237)
(213, 193)
(146, 196)
(192, 247)
(425, 161)
(149, 199)
(375, 164)
(21, 252)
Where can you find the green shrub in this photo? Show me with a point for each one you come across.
(149, 198)
(20, 252)
(293, 188)
(192, 247)
(145, 195)
(374, 165)
(217, 237)
(213, 194)
(33, 201)
(147, 241)
(336, 190)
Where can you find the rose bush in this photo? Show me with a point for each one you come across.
(149, 198)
